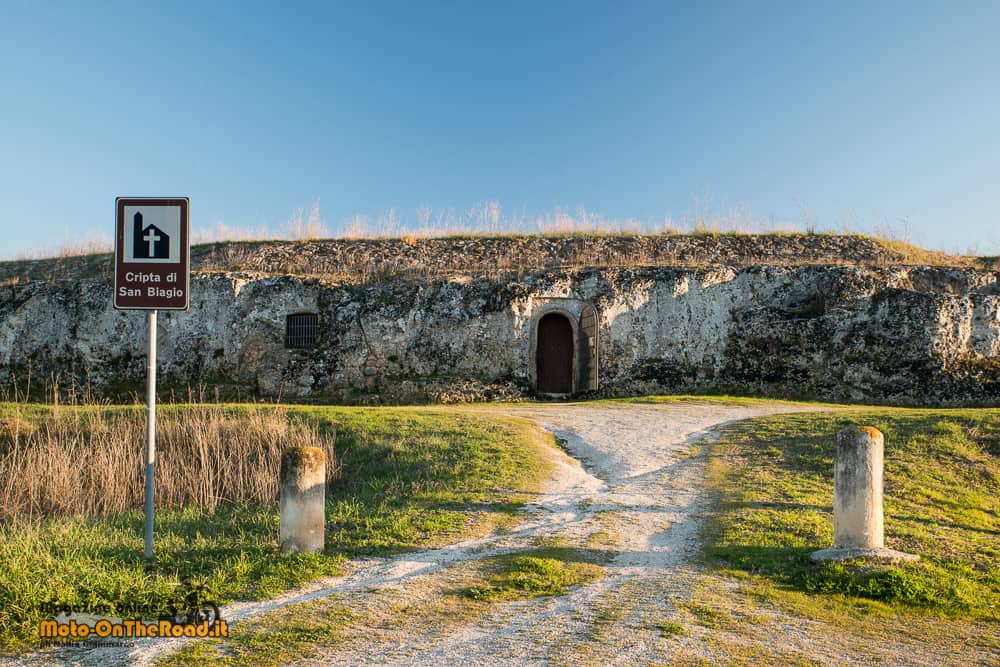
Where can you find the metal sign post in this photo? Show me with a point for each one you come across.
(150, 433)
(152, 272)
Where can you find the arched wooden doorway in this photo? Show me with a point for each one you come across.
(554, 355)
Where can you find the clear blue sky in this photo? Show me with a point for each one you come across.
(860, 114)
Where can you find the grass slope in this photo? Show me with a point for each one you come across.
(774, 479)
(410, 478)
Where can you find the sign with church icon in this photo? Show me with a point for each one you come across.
(152, 253)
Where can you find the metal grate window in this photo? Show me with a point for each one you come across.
(300, 330)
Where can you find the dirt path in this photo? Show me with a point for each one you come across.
(629, 490)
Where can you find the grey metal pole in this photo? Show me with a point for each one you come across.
(150, 433)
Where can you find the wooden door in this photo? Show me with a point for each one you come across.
(554, 355)
(587, 364)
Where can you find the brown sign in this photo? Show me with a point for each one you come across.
(152, 253)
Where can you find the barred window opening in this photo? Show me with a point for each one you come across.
(300, 330)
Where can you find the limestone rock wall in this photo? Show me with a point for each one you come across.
(913, 335)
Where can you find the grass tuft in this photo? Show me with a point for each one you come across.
(670, 628)
(516, 577)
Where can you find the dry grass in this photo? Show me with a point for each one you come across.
(413, 478)
(300, 226)
(90, 461)
(912, 254)
(91, 244)
(489, 218)
(701, 237)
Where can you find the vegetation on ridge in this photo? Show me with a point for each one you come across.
(360, 259)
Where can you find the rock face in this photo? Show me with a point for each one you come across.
(909, 335)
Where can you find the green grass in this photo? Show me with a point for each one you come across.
(410, 478)
(708, 616)
(532, 574)
(670, 628)
(774, 479)
(414, 477)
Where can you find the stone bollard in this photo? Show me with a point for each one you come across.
(858, 521)
(302, 500)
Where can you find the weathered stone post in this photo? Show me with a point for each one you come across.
(302, 500)
(858, 520)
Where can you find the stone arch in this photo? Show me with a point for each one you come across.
(584, 322)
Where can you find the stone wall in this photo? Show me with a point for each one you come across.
(910, 335)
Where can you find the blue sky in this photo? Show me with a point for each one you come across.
(861, 116)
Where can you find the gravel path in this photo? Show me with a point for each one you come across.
(632, 478)
(630, 489)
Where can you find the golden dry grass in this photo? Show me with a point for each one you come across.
(91, 461)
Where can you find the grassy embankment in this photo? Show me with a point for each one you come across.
(774, 477)
(405, 478)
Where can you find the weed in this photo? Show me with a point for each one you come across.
(277, 639)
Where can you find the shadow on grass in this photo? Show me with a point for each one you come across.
(780, 563)
(233, 553)
(912, 585)
(931, 456)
